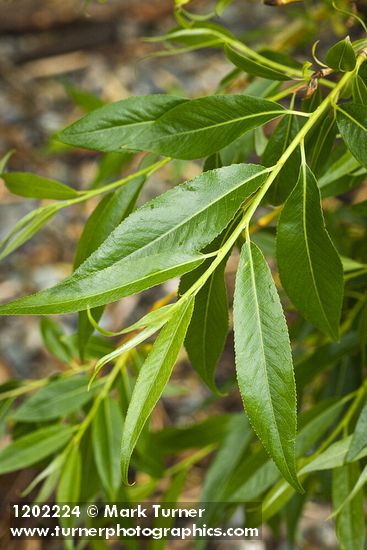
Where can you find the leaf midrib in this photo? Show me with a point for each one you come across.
(259, 326)
(171, 338)
(305, 232)
(176, 227)
(348, 115)
(219, 124)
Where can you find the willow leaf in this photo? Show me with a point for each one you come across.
(31, 448)
(309, 266)
(350, 523)
(152, 379)
(109, 213)
(253, 67)
(106, 437)
(156, 242)
(359, 440)
(264, 361)
(203, 126)
(69, 484)
(352, 124)
(280, 139)
(37, 187)
(208, 328)
(58, 398)
(113, 126)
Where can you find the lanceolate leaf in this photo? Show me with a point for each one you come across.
(33, 447)
(278, 142)
(322, 144)
(152, 379)
(36, 187)
(109, 213)
(69, 485)
(350, 522)
(203, 126)
(107, 430)
(106, 217)
(54, 338)
(57, 399)
(264, 362)
(172, 127)
(309, 266)
(359, 90)
(253, 67)
(359, 440)
(114, 126)
(333, 457)
(362, 480)
(256, 474)
(352, 124)
(227, 458)
(208, 328)
(156, 242)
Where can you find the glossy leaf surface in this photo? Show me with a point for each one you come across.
(152, 379)
(155, 243)
(309, 266)
(263, 360)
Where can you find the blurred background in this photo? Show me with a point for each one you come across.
(59, 59)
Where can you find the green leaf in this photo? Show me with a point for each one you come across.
(341, 56)
(350, 523)
(109, 213)
(28, 226)
(223, 466)
(37, 187)
(280, 139)
(333, 457)
(323, 415)
(114, 126)
(208, 328)
(252, 66)
(309, 266)
(206, 432)
(359, 89)
(227, 458)
(221, 5)
(171, 497)
(33, 447)
(84, 99)
(152, 379)
(53, 337)
(352, 124)
(57, 399)
(107, 430)
(359, 440)
(323, 143)
(5, 408)
(203, 126)
(155, 243)
(343, 166)
(69, 484)
(110, 167)
(4, 161)
(264, 361)
(256, 474)
(190, 130)
(361, 481)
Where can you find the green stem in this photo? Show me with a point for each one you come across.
(108, 382)
(274, 171)
(85, 195)
(31, 385)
